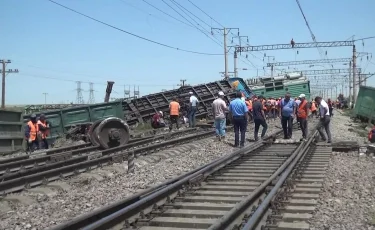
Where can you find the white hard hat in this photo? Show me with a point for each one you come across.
(221, 93)
(302, 96)
(190, 92)
(161, 112)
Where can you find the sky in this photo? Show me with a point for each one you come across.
(53, 47)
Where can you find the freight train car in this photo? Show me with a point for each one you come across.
(365, 105)
(142, 109)
(87, 119)
(277, 86)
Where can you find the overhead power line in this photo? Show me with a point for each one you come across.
(206, 13)
(132, 34)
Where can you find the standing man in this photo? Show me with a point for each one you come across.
(219, 108)
(43, 131)
(239, 112)
(286, 113)
(302, 115)
(31, 131)
(193, 109)
(174, 111)
(325, 119)
(249, 105)
(259, 118)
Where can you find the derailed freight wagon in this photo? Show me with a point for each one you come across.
(277, 86)
(365, 105)
(142, 109)
(87, 120)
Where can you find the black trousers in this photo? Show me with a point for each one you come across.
(258, 123)
(44, 143)
(240, 124)
(174, 120)
(287, 124)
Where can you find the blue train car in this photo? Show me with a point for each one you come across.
(240, 85)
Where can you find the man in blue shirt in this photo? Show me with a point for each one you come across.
(286, 112)
(239, 112)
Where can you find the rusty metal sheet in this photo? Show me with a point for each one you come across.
(11, 131)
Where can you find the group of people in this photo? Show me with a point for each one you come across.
(287, 109)
(36, 132)
(256, 109)
(158, 121)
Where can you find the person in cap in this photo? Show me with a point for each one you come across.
(174, 113)
(43, 131)
(240, 116)
(259, 118)
(325, 119)
(157, 120)
(219, 109)
(193, 102)
(303, 114)
(31, 132)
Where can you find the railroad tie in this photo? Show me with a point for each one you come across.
(307, 187)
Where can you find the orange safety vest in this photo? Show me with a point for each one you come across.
(302, 111)
(43, 134)
(33, 130)
(313, 106)
(174, 108)
(249, 105)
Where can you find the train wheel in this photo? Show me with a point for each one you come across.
(91, 133)
(112, 132)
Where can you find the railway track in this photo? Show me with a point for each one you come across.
(18, 175)
(295, 203)
(213, 196)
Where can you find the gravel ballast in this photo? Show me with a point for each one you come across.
(91, 194)
(347, 200)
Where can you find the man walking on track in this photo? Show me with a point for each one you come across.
(239, 112)
(302, 115)
(174, 112)
(219, 108)
(259, 118)
(193, 109)
(325, 119)
(286, 113)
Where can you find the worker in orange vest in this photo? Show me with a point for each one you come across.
(174, 112)
(313, 108)
(43, 131)
(302, 114)
(31, 131)
(249, 105)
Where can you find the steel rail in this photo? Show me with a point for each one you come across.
(253, 221)
(237, 210)
(32, 162)
(88, 218)
(137, 207)
(104, 157)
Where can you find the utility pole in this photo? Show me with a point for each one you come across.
(4, 72)
(350, 83)
(226, 31)
(354, 77)
(235, 64)
(271, 64)
(183, 82)
(235, 71)
(79, 96)
(45, 98)
(91, 94)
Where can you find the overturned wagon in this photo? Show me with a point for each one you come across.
(106, 124)
(101, 124)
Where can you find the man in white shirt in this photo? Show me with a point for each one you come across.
(325, 119)
(219, 108)
(192, 109)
